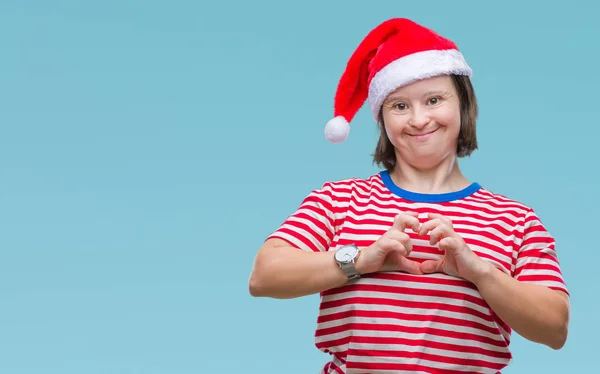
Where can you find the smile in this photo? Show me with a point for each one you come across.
(423, 136)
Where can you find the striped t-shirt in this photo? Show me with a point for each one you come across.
(403, 323)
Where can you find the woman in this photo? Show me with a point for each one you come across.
(419, 269)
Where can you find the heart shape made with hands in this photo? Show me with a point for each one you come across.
(458, 259)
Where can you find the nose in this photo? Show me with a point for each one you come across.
(419, 118)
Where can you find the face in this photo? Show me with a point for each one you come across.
(422, 121)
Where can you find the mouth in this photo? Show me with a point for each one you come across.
(423, 136)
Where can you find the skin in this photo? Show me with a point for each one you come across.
(422, 121)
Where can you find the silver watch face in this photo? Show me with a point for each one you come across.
(346, 253)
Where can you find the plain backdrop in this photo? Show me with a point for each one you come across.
(147, 148)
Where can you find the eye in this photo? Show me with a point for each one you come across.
(434, 101)
(400, 106)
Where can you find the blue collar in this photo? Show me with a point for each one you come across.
(424, 197)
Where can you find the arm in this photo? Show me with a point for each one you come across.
(295, 260)
(536, 312)
(530, 303)
(282, 271)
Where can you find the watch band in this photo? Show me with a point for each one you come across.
(350, 270)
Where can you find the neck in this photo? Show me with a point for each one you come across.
(442, 178)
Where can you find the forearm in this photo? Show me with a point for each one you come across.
(537, 313)
(285, 272)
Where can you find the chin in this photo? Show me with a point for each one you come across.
(426, 161)
(425, 165)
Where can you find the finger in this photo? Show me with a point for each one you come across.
(434, 215)
(406, 219)
(431, 266)
(428, 226)
(440, 217)
(438, 233)
(401, 237)
(409, 266)
(400, 222)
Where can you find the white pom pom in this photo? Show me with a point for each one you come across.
(337, 129)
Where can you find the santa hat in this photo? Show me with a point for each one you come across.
(394, 54)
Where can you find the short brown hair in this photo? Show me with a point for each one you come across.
(467, 137)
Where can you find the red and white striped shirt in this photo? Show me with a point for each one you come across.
(403, 323)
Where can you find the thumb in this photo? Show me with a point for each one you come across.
(431, 266)
(409, 266)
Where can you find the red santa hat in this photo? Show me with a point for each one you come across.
(394, 54)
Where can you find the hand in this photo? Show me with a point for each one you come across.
(389, 252)
(458, 260)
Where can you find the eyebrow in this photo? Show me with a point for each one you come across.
(428, 93)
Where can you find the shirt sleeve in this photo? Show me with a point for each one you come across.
(537, 259)
(312, 227)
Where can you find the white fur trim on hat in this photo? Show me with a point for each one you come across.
(411, 68)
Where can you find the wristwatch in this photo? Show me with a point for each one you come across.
(345, 257)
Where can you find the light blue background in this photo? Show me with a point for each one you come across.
(147, 148)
